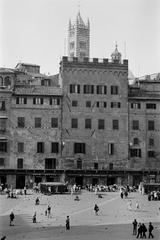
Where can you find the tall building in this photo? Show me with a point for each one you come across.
(78, 38)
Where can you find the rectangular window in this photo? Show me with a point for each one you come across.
(151, 125)
(38, 101)
(101, 124)
(74, 103)
(115, 124)
(74, 88)
(2, 106)
(54, 122)
(3, 146)
(101, 89)
(80, 148)
(135, 141)
(1, 162)
(20, 147)
(88, 123)
(37, 122)
(21, 122)
(134, 152)
(40, 147)
(3, 125)
(115, 105)
(114, 90)
(50, 163)
(55, 147)
(150, 106)
(21, 100)
(151, 142)
(96, 166)
(136, 105)
(79, 164)
(20, 163)
(74, 123)
(88, 89)
(135, 125)
(151, 154)
(110, 166)
(88, 104)
(54, 101)
(101, 104)
(110, 148)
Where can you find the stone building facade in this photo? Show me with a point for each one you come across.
(86, 125)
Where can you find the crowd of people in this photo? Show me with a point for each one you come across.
(154, 196)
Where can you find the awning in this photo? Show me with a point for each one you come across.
(3, 139)
(4, 117)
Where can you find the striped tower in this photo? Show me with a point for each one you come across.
(78, 38)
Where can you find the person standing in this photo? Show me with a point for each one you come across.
(49, 210)
(134, 227)
(150, 229)
(11, 218)
(67, 223)
(25, 190)
(137, 205)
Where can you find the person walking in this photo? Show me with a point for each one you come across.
(67, 223)
(11, 218)
(34, 218)
(96, 209)
(134, 223)
(139, 231)
(150, 229)
(25, 190)
(144, 230)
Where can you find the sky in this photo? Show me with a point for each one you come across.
(35, 31)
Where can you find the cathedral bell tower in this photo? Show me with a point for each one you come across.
(78, 38)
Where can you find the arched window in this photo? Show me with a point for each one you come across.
(7, 81)
(1, 81)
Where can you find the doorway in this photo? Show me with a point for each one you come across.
(38, 179)
(111, 180)
(79, 181)
(20, 181)
(94, 181)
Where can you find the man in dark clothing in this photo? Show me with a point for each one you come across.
(139, 231)
(67, 223)
(96, 209)
(134, 227)
(150, 229)
(144, 230)
(3, 238)
(11, 218)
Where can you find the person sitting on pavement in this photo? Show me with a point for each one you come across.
(76, 198)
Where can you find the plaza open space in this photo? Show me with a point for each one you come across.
(114, 220)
